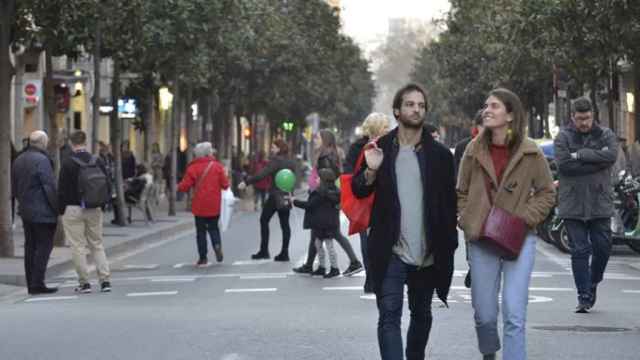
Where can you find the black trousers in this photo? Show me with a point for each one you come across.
(268, 211)
(37, 249)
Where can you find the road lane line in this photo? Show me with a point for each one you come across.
(530, 289)
(340, 288)
(251, 262)
(255, 277)
(250, 290)
(50, 298)
(631, 291)
(141, 267)
(157, 293)
(190, 279)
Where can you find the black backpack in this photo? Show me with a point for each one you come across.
(93, 184)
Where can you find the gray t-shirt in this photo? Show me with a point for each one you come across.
(411, 246)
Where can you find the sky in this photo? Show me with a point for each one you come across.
(367, 20)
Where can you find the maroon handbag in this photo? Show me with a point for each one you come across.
(502, 230)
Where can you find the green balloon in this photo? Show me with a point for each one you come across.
(285, 180)
(338, 183)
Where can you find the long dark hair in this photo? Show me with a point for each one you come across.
(513, 105)
(329, 150)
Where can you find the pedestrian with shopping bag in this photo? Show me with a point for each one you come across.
(206, 176)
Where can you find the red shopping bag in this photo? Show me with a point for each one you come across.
(358, 211)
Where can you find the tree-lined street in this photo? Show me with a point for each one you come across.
(162, 307)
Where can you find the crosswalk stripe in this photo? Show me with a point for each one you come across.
(174, 280)
(157, 293)
(631, 291)
(50, 298)
(255, 277)
(250, 290)
(251, 262)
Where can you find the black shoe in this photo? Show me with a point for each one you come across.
(281, 257)
(217, 249)
(353, 269)
(42, 290)
(594, 288)
(105, 286)
(467, 280)
(320, 271)
(303, 269)
(368, 288)
(332, 273)
(260, 255)
(83, 288)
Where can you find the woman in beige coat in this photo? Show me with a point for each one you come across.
(520, 183)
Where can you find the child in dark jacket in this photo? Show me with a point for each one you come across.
(322, 216)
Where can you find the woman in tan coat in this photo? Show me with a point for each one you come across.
(503, 159)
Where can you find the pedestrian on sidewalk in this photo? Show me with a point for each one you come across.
(276, 201)
(585, 153)
(261, 187)
(503, 161)
(413, 233)
(374, 126)
(84, 176)
(322, 216)
(34, 186)
(328, 157)
(207, 178)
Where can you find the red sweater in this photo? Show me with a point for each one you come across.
(206, 201)
(500, 157)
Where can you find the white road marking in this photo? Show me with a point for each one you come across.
(255, 277)
(50, 298)
(250, 290)
(562, 261)
(179, 266)
(530, 289)
(631, 291)
(143, 267)
(157, 293)
(186, 279)
(348, 288)
(251, 262)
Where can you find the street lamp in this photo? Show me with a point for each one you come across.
(166, 98)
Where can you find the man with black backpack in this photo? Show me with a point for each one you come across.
(83, 188)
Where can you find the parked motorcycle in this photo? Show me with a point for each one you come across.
(625, 223)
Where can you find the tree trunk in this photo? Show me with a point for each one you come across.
(7, 12)
(610, 100)
(116, 144)
(54, 132)
(148, 119)
(636, 96)
(97, 58)
(174, 143)
(594, 102)
(189, 135)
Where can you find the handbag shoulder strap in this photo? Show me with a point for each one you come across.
(201, 177)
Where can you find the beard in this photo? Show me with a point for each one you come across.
(411, 122)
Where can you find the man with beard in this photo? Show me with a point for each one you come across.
(413, 233)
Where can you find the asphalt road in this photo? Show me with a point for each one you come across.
(162, 307)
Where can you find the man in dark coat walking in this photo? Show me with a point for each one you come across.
(413, 223)
(33, 184)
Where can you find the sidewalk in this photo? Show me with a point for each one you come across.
(117, 239)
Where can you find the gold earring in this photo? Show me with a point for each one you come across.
(509, 134)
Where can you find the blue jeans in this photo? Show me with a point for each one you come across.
(390, 300)
(487, 271)
(587, 239)
(206, 225)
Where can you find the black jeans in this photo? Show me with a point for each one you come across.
(588, 239)
(268, 211)
(206, 225)
(37, 249)
(390, 300)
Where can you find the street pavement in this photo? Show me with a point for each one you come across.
(162, 307)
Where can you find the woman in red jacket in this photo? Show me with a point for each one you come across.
(207, 177)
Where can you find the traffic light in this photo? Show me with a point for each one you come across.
(287, 126)
(247, 133)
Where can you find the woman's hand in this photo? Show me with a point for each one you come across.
(373, 156)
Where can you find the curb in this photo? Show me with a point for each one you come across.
(67, 265)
